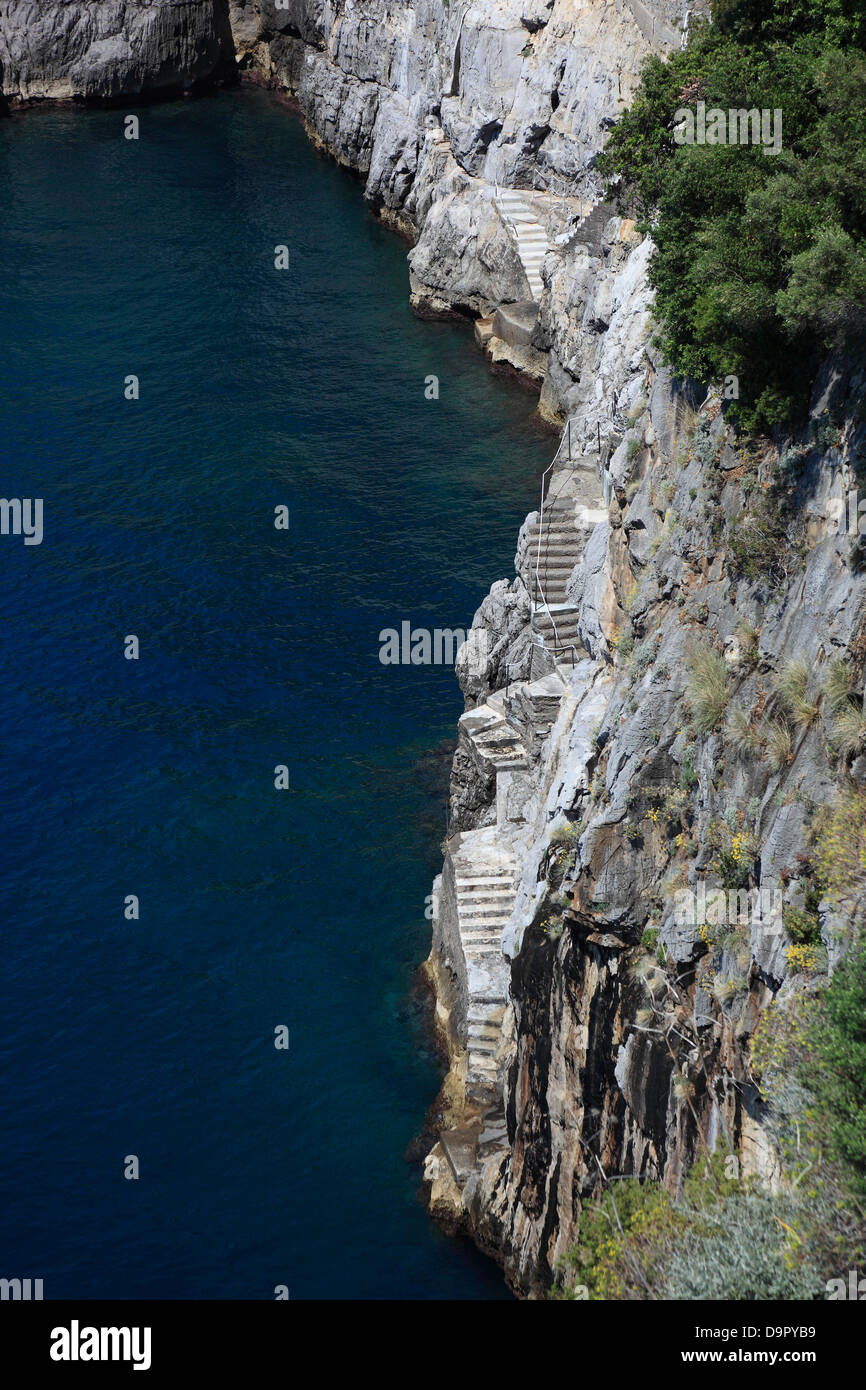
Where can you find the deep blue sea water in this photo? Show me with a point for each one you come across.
(155, 777)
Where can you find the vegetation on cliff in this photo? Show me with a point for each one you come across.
(761, 260)
(724, 1236)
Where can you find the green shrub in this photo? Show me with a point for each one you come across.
(740, 1250)
(761, 261)
(802, 926)
(722, 1239)
(838, 1048)
(840, 848)
(650, 939)
(688, 777)
(758, 543)
(801, 1060)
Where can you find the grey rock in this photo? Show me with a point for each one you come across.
(104, 49)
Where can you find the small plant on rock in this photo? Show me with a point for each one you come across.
(791, 686)
(706, 689)
(742, 734)
(779, 741)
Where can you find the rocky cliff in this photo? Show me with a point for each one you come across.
(104, 49)
(645, 715)
(592, 1031)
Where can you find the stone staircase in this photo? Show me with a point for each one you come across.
(493, 738)
(556, 540)
(588, 231)
(486, 887)
(554, 619)
(504, 735)
(531, 237)
(533, 708)
(590, 228)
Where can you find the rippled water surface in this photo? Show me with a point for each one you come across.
(155, 777)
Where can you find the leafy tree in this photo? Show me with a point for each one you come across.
(761, 258)
(838, 1057)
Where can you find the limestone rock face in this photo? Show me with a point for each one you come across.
(583, 798)
(520, 91)
(97, 49)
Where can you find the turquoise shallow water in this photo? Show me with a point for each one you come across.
(258, 648)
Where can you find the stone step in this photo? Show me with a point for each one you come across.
(559, 531)
(542, 623)
(491, 880)
(489, 902)
(558, 516)
(530, 237)
(490, 892)
(571, 551)
(509, 755)
(492, 740)
(478, 916)
(481, 873)
(574, 545)
(500, 884)
(557, 552)
(580, 520)
(557, 559)
(555, 615)
(559, 577)
(482, 1065)
(561, 627)
(554, 594)
(563, 637)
